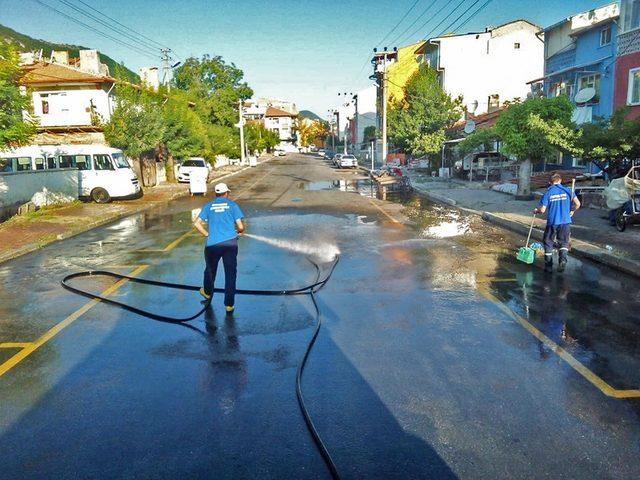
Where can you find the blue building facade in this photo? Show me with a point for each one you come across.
(580, 53)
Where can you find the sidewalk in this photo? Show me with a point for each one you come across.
(592, 237)
(26, 233)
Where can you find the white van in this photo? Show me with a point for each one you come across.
(103, 172)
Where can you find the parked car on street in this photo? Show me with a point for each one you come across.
(103, 172)
(348, 161)
(279, 153)
(193, 166)
(322, 152)
(329, 154)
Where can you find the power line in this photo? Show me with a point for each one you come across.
(142, 44)
(160, 45)
(399, 22)
(482, 7)
(434, 29)
(94, 30)
(429, 20)
(401, 36)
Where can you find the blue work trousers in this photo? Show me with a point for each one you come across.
(228, 252)
(556, 236)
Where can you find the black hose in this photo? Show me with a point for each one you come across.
(308, 290)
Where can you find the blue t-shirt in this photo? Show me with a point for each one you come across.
(221, 215)
(558, 199)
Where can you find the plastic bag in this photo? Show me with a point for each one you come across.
(616, 194)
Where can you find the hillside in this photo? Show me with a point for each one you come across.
(27, 44)
(309, 114)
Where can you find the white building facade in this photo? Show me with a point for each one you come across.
(488, 68)
(70, 95)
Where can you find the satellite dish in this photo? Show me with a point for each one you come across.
(469, 127)
(584, 95)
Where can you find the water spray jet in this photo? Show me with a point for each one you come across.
(325, 252)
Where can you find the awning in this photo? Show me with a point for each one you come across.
(565, 70)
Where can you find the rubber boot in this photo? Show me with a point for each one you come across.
(548, 265)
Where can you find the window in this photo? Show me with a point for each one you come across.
(590, 81)
(83, 162)
(561, 88)
(633, 94)
(39, 163)
(516, 45)
(630, 14)
(103, 162)
(23, 164)
(44, 103)
(51, 163)
(120, 160)
(65, 161)
(6, 165)
(494, 102)
(605, 36)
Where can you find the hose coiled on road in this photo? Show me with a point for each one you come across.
(310, 290)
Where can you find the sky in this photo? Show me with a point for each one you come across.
(297, 50)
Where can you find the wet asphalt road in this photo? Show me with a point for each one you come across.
(440, 355)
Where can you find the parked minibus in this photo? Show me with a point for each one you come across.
(103, 172)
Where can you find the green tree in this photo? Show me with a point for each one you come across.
(14, 131)
(258, 138)
(532, 131)
(184, 133)
(216, 86)
(610, 143)
(417, 123)
(370, 133)
(137, 124)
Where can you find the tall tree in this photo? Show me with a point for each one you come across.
(258, 138)
(611, 143)
(532, 131)
(184, 133)
(137, 124)
(14, 131)
(417, 123)
(218, 87)
(310, 131)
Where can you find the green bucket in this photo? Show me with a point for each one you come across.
(526, 255)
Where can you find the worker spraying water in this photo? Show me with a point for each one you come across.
(221, 221)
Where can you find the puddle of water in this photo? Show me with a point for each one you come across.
(364, 187)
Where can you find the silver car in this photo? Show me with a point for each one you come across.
(348, 161)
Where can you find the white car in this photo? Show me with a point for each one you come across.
(348, 161)
(193, 165)
(279, 153)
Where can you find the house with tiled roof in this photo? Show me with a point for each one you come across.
(282, 122)
(70, 96)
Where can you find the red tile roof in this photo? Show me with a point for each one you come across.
(48, 73)
(276, 112)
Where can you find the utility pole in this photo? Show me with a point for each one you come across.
(373, 155)
(384, 108)
(337, 114)
(166, 67)
(355, 126)
(241, 125)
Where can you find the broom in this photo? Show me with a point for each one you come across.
(526, 254)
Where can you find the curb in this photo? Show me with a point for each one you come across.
(579, 248)
(100, 223)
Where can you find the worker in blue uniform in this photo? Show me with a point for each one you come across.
(221, 222)
(559, 203)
